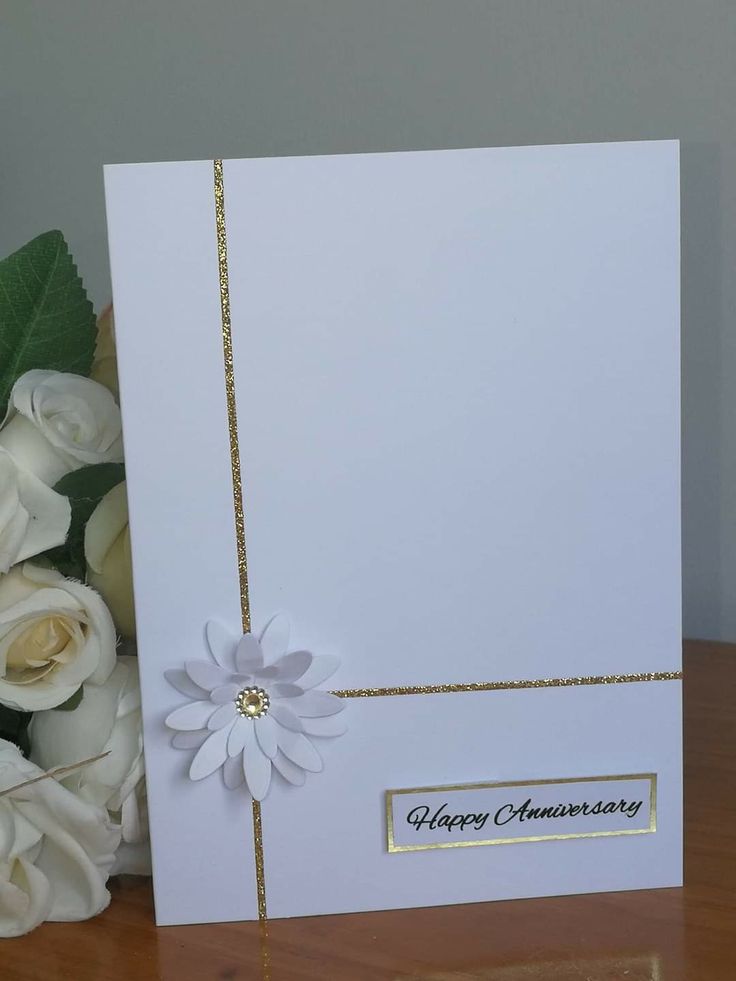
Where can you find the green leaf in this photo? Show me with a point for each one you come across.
(85, 488)
(72, 702)
(14, 728)
(46, 320)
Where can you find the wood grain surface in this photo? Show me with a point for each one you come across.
(657, 935)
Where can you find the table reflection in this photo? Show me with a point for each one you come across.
(640, 967)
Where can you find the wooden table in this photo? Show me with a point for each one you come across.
(658, 935)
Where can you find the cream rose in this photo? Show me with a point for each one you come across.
(55, 634)
(107, 551)
(105, 365)
(32, 516)
(58, 422)
(56, 849)
(107, 720)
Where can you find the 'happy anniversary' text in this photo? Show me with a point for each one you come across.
(419, 817)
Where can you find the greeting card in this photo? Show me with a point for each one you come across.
(402, 445)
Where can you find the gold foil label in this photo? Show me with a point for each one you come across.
(465, 815)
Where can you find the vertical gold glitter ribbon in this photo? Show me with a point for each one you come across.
(232, 411)
(232, 423)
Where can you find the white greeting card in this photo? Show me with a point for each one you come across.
(402, 444)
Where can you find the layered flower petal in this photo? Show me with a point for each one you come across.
(207, 676)
(266, 733)
(286, 689)
(232, 772)
(221, 644)
(248, 655)
(222, 716)
(238, 737)
(210, 755)
(286, 717)
(275, 638)
(299, 750)
(292, 773)
(315, 704)
(256, 766)
(291, 667)
(195, 715)
(323, 666)
(190, 740)
(180, 680)
(226, 693)
(326, 726)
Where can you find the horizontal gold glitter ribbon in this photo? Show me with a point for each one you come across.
(600, 679)
(443, 689)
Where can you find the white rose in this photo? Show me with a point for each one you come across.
(107, 720)
(32, 516)
(58, 422)
(55, 633)
(107, 551)
(56, 850)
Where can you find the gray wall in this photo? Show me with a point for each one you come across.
(84, 83)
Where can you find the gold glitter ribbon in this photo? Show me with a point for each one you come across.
(598, 679)
(232, 411)
(449, 689)
(232, 423)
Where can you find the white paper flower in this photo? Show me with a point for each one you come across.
(254, 707)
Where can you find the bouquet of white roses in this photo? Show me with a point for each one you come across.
(72, 790)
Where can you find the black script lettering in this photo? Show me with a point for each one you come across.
(527, 812)
(418, 817)
(509, 816)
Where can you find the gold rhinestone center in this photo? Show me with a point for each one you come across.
(252, 703)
